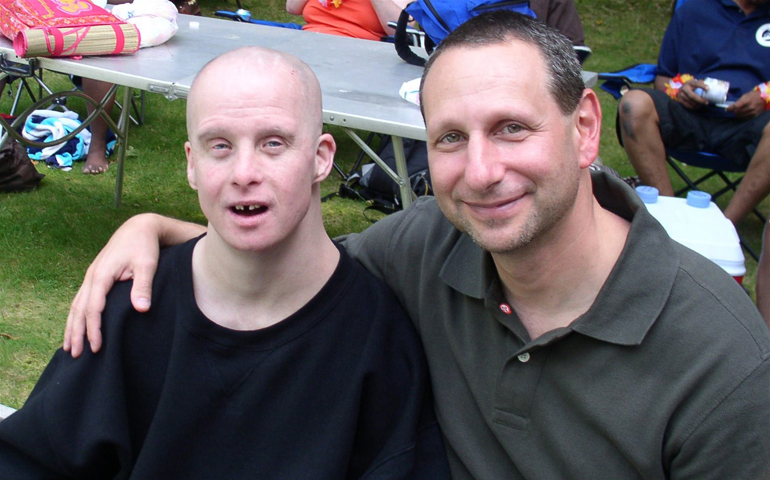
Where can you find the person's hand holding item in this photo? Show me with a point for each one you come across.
(689, 97)
(748, 106)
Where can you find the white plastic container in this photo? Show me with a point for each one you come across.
(697, 223)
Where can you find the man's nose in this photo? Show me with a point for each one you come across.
(247, 167)
(483, 167)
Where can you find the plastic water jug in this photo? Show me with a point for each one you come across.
(697, 223)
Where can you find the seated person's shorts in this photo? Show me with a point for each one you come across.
(729, 137)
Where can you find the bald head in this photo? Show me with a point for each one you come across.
(249, 71)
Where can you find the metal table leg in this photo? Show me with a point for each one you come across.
(401, 175)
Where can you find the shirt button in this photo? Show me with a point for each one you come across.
(524, 357)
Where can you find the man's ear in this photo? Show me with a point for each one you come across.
(324, 157)
(588, 122)
(190, 166)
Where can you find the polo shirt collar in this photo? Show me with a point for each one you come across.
(635, 292)
(640, 283)
(468, 269)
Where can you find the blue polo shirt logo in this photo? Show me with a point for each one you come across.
(763, 35)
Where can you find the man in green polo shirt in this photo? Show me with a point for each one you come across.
(567, 335)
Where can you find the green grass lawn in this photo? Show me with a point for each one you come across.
(50, 235)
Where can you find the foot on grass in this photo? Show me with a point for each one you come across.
(95, 168)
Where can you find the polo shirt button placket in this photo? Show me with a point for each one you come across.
(516, 390)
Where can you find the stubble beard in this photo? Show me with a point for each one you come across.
(536, 227)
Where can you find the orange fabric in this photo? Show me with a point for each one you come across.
(354, 18)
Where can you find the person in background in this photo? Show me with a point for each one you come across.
(726, 40)
(273, 354)
(368, 19)
(96, 161)
(563, 16)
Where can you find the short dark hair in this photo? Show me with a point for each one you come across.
(500, 26)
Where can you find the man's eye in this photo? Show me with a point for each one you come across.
(273, 144)
(513, 128)
(220, 146)
(451, 138)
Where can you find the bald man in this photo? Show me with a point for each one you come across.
(272, 354)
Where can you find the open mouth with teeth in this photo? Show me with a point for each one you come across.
(249, 210)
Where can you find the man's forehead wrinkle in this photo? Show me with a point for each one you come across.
(534, 65)
(498, 89)
(281, 116)
(275, 118)
(470, 81)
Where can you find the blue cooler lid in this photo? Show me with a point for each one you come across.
(647, 194)
(698, 199)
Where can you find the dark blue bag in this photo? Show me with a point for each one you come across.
(437, 18)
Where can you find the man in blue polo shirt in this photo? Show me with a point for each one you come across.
(722, 39)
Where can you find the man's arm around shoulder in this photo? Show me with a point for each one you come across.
(132, 252)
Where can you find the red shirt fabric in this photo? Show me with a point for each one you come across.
(353, 18)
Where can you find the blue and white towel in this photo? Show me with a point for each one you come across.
(51, 125)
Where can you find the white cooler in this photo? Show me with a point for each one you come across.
(697, 223)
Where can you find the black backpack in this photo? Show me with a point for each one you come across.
(373, 184)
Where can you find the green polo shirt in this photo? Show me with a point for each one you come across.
(666, 375)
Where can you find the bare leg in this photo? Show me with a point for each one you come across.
(96, 162)
(640, 130)
(755, 185)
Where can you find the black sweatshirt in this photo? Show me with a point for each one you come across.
(339, 390)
